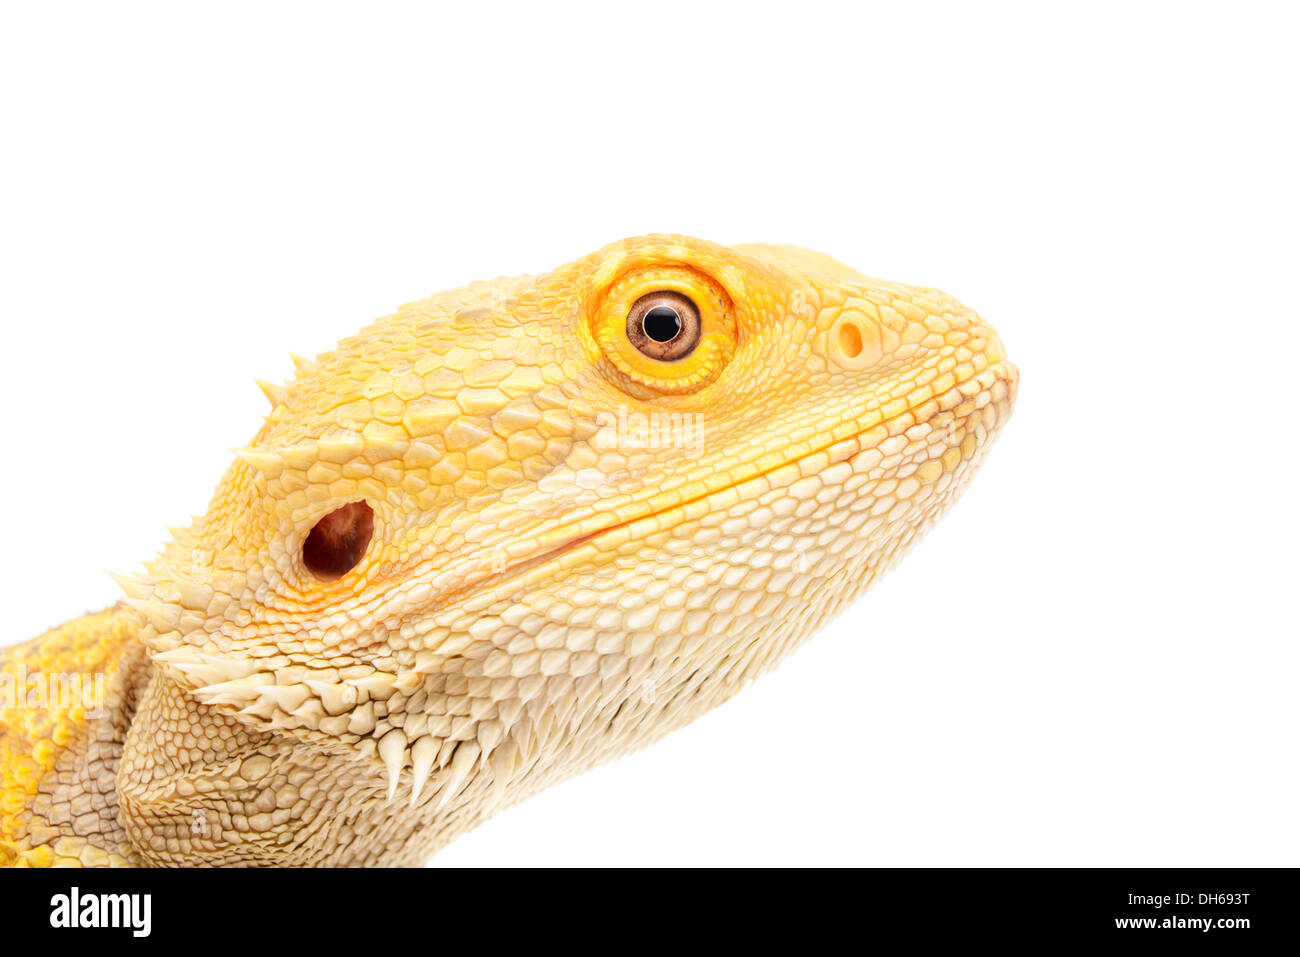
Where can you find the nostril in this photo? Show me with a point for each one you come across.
(850, 340)
(853, 341)
(338, 541)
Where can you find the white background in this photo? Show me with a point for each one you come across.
(1092, 661)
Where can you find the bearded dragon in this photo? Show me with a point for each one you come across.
(496, 538)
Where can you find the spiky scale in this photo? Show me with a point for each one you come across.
(423, 753)
(392, 750)
(268, 464)
(302, 365)
(275, 394)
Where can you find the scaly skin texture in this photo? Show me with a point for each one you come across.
(576, 549)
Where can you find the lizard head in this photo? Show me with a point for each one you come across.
(527, 525)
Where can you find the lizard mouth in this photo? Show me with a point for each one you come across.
(1001, 374)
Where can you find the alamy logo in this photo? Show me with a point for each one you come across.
(20, 688)
(633, 431)
(75, 909)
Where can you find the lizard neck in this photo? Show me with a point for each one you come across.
(66, 703)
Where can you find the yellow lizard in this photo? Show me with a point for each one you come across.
(500, 536)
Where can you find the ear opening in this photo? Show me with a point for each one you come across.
(338, 541)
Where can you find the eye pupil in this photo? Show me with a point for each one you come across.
(662, 324)
(338, 541)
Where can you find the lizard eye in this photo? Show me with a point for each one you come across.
(663, 330)
(664, 326)
(338, 541)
